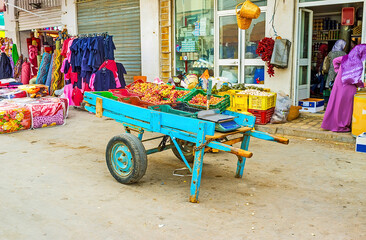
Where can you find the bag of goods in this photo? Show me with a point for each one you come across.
(294, 113)
(35, 90)
(14, 117)
(283, 105)
(190, 81)
(12, 93)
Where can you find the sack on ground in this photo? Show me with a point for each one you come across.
(283, 105)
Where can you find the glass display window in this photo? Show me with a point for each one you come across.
(194, 36)
(231, 4)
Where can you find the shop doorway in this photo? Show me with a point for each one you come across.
(319, 28)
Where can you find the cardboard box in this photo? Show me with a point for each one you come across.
(361, 143)
(311, 105)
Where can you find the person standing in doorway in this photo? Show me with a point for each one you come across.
(338, 116)
(337, 51)
(323, 52)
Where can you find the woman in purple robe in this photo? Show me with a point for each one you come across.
(338, 116)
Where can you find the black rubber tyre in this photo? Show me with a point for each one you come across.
(126, 158)
(187, 149)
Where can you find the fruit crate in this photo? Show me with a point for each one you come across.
(136, 101)
(106, 94)
(241, 102)
(123, 93)
(231, 93)
(262, 102)
(182, 106)
(169, 109)
(183, 89)
(262, 116)
(222, 105)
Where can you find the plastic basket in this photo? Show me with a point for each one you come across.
(223, 105)
(107, 95)
(123, 93)
(231, 93)
(135, 101)
(184, 97)
(262, 102)
(182, 106)
(262, 116)
(241, 102)
(169, 109)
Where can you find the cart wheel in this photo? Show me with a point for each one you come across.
(187, 150)
(126, 158)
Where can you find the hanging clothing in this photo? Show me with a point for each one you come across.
(26, 72)
(104, 80)
(18, 68)
(111, 65)
(338, 115)
(6, 70)
(14, 53)
(109, 48)
(43, 69)
(121, 71)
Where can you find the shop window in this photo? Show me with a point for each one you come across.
(229, 72)
(254, 74)
(231, 4)
(253, 35)
(229, 47)
(194, 36)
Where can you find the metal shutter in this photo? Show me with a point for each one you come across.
(51, 17)
(120, 19)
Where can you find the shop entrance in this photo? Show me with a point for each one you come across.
(319, 28)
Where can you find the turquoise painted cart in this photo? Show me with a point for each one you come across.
(189, 138)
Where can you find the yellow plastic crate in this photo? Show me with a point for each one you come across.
(262, 102)
(241, 102)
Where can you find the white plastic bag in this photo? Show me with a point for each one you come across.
(282, 109)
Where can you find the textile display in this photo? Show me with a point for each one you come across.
(12, 93)
(14, 117)
(57, 81)
(18, 68)
(88, 58)
(32, 53)
(49, 74)
(35, 90)
(26, 72)
(6, 70)
(43, 69)
(14, 53)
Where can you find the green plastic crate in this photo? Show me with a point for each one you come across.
(169, 109)
(107, 95)
(223, 105)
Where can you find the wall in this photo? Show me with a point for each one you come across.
(10, 23)
(68, 17)
(285, 26)
(149, 18)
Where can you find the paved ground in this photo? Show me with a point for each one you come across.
(54, 184)
(308, 125)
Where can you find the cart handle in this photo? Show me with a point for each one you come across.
(268, 137)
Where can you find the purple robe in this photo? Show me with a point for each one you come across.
(338, 116)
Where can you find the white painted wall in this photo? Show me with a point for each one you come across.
(69, 16)
(10, 23)
(149, 18)
(285, 27)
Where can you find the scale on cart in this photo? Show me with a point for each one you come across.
(223, 123)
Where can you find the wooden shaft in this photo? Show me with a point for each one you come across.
(241, 152)
(281, 140)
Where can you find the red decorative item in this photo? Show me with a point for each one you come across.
(264, 50)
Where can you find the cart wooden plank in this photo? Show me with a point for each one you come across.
(218, 135)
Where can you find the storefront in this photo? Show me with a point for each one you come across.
(120, 19)
(319, 24)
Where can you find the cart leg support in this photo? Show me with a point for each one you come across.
(197, 165)
(241, 160)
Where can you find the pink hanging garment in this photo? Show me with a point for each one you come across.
(68, 90)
